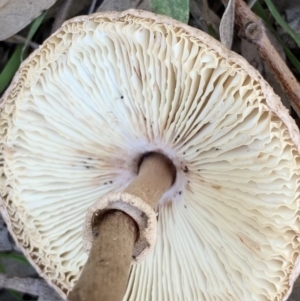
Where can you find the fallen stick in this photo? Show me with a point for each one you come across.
(251, 28)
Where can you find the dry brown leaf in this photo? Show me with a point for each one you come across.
(16, 14)
(227, 25)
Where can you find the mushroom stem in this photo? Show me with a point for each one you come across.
(105, 275)
(155, 177)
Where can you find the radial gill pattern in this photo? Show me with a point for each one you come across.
(103, 91)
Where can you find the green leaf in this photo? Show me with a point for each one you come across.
(281, 22)
(176, 9)
(257, 8)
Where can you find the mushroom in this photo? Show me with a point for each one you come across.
(107, 94)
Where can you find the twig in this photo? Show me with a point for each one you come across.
(19, 39)
(251, 28)
(62, 15)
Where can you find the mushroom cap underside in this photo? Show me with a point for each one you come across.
(109, 87)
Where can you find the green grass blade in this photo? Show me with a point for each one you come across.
(17, 257)
(15, 60)
(257, 8)
(32, 30)
(10, 68)
(35, 25)
(15, 294)
(291, 57)
(281, 21)
(211, 31)
(2, 269)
